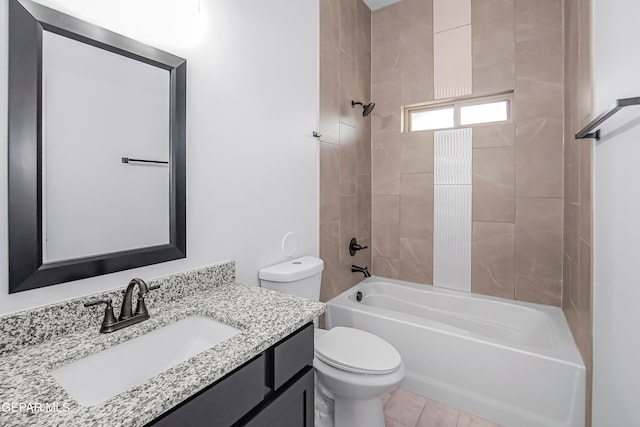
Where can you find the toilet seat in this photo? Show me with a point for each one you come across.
(357, 351)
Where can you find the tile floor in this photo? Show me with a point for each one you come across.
(403, 408)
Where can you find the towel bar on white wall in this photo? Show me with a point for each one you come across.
(586, 133)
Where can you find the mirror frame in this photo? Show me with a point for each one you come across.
(27, 21)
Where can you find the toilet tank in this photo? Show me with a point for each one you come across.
(301, 277)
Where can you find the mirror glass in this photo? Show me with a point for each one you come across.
(97, 175)
(98, 108)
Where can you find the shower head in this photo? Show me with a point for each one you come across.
(366, 109)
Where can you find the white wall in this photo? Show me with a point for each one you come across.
(252, 165)
(616, 297)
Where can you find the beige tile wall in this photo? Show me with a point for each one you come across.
(401, 163)
(345, 145)
(517, 167)
(493, 45)
(539, 99)
(577, 284)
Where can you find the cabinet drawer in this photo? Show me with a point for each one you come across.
(290, 356)
(224, 402)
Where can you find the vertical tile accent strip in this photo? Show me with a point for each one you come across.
(452, 209)
(452, 157)
(452, 63)
(452, 237)
(449, 14)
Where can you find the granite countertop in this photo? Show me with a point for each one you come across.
(263, 316)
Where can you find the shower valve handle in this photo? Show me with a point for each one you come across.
(354, 247)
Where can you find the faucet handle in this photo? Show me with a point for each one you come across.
(141, 307)
(354, 247)
(109, 318)
(98, 301)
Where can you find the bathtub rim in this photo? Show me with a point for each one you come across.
(565, 351)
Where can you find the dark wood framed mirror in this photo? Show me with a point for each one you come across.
(98, 191)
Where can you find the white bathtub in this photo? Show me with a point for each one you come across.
(513, 363)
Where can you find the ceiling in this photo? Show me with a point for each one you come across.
(379, 4)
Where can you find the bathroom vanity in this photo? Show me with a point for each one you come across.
(76, 93)
(262, 376)
(273, 389)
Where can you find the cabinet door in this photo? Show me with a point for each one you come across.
(223, 403)
(292, 407)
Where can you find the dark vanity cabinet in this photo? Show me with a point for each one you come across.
(273, 389)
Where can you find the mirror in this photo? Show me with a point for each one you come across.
(96, 150)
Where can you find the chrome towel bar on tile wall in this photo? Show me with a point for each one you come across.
(155, 162)
(618, 105)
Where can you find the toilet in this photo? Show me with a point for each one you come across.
(353, 368)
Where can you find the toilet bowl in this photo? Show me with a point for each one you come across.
(353, 368)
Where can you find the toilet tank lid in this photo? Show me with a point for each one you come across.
(291, 270)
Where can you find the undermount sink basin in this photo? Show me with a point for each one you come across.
(98, 377)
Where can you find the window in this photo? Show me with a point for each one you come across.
(432, 118)
(484, 113)
(447, 115)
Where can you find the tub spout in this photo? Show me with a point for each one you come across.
(363, 270)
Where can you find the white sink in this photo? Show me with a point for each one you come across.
(98, 377)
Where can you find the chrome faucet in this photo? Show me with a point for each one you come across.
(363, 270)
(127, 317)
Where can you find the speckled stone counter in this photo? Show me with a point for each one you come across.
(263, 316)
